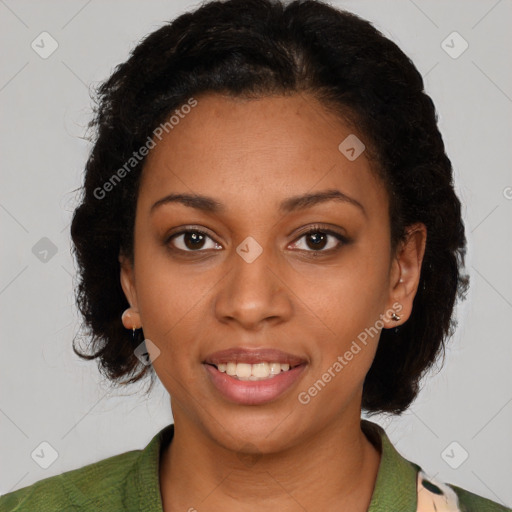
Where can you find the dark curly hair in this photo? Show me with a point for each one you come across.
(257, 48)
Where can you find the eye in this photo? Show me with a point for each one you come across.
(191, 240)
(317, 239)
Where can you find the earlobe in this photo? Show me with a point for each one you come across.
(408, 263)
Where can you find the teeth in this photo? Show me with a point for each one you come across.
(275, 368)
(259, 371)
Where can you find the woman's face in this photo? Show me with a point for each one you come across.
(255, 280)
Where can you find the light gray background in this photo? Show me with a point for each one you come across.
(48, 394)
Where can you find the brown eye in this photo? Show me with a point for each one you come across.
(191, 240)
(316, 240)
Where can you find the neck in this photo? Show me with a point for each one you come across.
(336, 466)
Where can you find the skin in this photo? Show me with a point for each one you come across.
(250, 155)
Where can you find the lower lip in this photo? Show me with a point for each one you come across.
(253, 392)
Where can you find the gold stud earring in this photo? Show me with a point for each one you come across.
(127, 318)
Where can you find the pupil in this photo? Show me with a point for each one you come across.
(317, 238)
(196, 238)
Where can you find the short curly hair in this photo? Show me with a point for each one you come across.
(258, 48)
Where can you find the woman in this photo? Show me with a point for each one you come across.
(268, 224)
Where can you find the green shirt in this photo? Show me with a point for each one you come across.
(130, 481)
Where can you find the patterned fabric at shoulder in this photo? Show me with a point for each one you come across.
(435, 496)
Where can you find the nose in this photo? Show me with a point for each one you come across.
(254, 291)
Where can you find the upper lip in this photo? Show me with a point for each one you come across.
(253, 356)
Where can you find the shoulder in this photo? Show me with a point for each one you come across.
(89, 486)
(403, 485)
(444, 497)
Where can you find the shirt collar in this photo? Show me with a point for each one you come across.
(395, 487)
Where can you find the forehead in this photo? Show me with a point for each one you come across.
(244, 150)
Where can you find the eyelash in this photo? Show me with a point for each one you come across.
(342, 240)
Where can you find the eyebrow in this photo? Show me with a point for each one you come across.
(291, 204)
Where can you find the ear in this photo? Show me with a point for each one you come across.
(127, 278)
(405, 273)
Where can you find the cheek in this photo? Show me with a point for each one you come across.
(348, 327)
(345, 341)
(351, 295)
(168, 290)
(171, 305)
(348, 303)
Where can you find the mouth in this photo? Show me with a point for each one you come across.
(253, 377)
(253, 372)
(253, 364)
